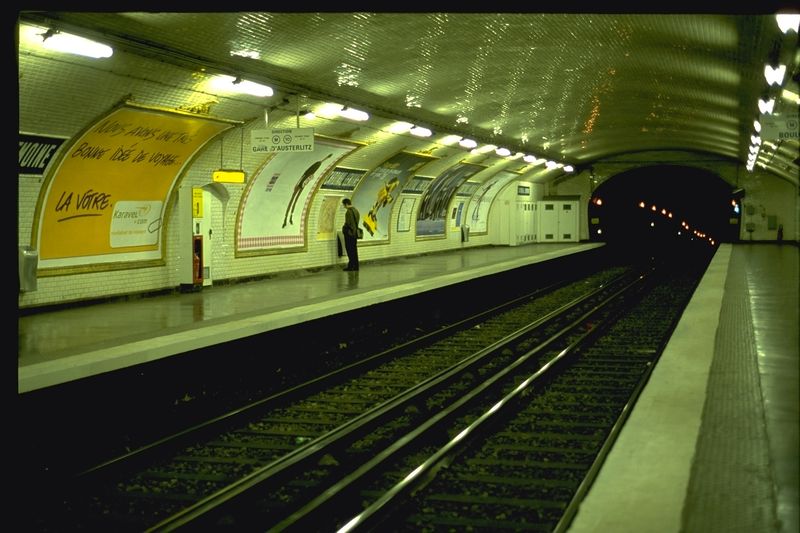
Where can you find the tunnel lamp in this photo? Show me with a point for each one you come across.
(641, 204)
(419, 131)
(788, 21)
(73, 44)
(766, 106)
(774, 76)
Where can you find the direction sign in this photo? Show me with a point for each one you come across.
(282, 140)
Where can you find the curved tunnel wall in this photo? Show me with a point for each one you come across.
(59, 97)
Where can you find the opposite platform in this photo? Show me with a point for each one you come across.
(65, 345)
(711, 445)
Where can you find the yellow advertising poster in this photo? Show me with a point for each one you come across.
(104, 202)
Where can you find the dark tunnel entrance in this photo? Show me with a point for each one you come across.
(665, 208)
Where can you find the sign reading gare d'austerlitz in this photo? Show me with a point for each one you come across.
(282, 140)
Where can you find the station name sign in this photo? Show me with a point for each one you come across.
(282, 140)
(36, 152)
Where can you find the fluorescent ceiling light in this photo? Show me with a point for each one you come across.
(484, 149)
(766, 106)
(419, 131)
(757, 126)
(774, 76)
(354, 114)
(224, 82)
(73, 44)
(533, 160)
(447, 140)
(788, 22)
(568, 168)
(467, 143)
(329, 110)
(503, 152)
(400, 127)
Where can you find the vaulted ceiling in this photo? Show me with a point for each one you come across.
(574, 87)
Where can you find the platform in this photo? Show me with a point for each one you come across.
(69, 344)
(712, 443)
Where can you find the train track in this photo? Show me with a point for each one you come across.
(339, 449)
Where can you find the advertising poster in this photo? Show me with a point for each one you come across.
(406, 211)
(432, 213)
(274, 209)
(327, 215)
(104, 202)
(375, 196)
(342, 179)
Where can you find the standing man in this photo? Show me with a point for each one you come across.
(350, 232)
